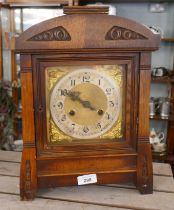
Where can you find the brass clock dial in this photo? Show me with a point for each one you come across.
(85, 103)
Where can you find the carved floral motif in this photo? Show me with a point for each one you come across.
(145, 171)
(28, 177)
(54, 34)
(119, 33)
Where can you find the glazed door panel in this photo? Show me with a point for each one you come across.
(69, 119)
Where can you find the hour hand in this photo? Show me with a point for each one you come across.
(75, 96)
(87, 104)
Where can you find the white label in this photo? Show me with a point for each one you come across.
(87, 179)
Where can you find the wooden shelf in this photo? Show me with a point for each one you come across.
(164, 79)
(163, 156)
(158, 117)
(171, 39)
(159, 155)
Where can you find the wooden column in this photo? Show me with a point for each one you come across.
(144, 169)
(28, 177)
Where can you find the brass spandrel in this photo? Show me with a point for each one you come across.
(56, 135)
(53, 75)
(115, 132)
(114, 71)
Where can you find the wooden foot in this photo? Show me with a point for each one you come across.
(144, 169)
(28, 181)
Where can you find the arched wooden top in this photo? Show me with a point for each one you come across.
(84, 31)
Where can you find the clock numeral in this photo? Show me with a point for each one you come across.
(72, 128)
(73, 82)
(60, 105)
(99, 82)
(108, 116)
(86, 78)
(85, 129)
(108, 91)
(63, 92)
(63, 118)
(111, 104)
(73, 125)
(99, 125)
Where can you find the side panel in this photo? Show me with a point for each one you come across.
(28, 176)
(144, 164)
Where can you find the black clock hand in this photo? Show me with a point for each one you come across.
(75, 97)
(87, 104)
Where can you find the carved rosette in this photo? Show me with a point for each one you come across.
(55, 34)
(119, 33)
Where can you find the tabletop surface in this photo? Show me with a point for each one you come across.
(89, 197)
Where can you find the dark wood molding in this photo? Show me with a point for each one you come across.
(29, 144)
(142, 140)
(26, 69)
(145, 67)
(86, 10)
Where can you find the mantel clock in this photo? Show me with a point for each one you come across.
(85, 93)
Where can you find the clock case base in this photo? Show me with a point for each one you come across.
(137, 170)
(129, 161)
(117, 174)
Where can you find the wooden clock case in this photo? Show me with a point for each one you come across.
(86, 36)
